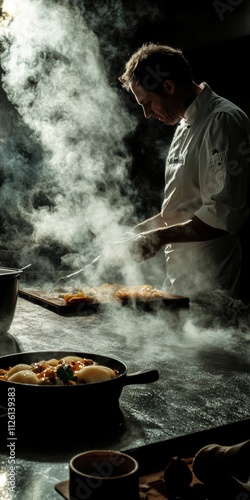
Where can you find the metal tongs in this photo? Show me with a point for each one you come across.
(124, 239)
(24, 267)
(64, 278)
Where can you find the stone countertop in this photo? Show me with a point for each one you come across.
(204, 368)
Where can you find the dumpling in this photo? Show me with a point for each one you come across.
(52, 362)
(69, 359)
(24, 377)
(18, 368)
(111, 372)
(93, 373)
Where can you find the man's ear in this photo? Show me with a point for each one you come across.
(169, 87)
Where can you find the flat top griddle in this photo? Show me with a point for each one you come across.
(54, 301)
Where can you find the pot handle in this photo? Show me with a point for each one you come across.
(142, 377)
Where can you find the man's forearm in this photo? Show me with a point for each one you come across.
(146, 244)
(151, 224)
(193, 230)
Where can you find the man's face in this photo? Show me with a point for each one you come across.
(162, 106)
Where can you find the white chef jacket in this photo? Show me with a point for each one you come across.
(207, 176)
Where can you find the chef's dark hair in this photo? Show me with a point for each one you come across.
(152, 64)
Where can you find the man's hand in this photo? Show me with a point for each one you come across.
(144, 246)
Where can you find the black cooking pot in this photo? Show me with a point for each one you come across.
(53, 400)
(9, 283)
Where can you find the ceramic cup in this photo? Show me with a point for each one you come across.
(99, 474)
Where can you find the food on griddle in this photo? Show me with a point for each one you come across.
(96, 294)
(72, 298)
(108, 292)
(69, 370)
(142, 292)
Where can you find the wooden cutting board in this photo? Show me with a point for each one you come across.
(51, 300)
(152, 486)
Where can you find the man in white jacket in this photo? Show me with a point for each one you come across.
(206, 178)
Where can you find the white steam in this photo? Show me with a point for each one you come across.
(73, 186)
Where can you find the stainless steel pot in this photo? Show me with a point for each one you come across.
(9, 284)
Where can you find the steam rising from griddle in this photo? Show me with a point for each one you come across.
(64, 159)
(65, 191)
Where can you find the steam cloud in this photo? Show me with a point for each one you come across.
(65, 191)
(65, 188)
(65, 195)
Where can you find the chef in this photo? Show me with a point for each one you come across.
(206, 178)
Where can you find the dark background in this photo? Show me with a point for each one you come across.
(215, 37)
